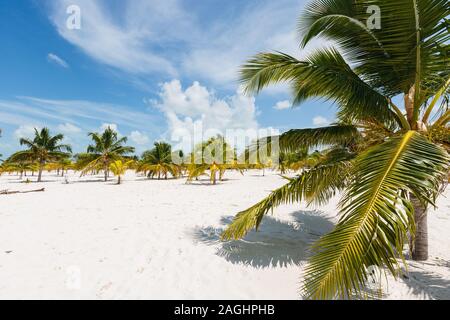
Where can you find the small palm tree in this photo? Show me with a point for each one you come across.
(158, 162)
(20, 167)
(43, 148)
(213, 157)
(107, 148)
(119, 167)
(388, 164)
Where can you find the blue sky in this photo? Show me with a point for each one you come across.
(152, 69)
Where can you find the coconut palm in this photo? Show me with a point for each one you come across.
(388, 165)
(119, 167)
(20, 167)
(293, 160)
(107, 148)
(158, 162)
(43, 148)
(212, 158)
(61, 166)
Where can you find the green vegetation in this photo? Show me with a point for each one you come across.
(388, 166)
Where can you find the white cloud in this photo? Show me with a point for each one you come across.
(139, 138)
(196, 110)
(112, 126)
(66, 116)
(126, 43)
(320, 121)
(169, 37)
(51, 57)
(77, 112)
(68, 128)
(282, 105)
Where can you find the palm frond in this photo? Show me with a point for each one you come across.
(376, 215)
(310, 138)
(317, 185)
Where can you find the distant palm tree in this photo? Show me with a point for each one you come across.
(42, 149)
(107, 148)
(213, 157)
(388, 165)
(119, 167)
(158, 162)
(20, 167)
(61, 166)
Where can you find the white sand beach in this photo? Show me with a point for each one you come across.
(149, 239)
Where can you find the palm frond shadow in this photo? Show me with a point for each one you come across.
(276, 244)
(428, 283)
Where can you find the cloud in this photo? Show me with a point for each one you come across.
(142, 37)
(282, 105)
(51, 57)
(112, 126)
(320, 121)
(196, 113)
(82, 113)
(26, 131)
(129, 42)
(68, 128)
(139, 138)
(74, 118)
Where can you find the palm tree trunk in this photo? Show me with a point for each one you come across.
(420, 242)
(106, 171)
(119, 180)
(41, 168)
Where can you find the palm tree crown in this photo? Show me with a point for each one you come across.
(41, 149)
(107, 147)
(158, 161)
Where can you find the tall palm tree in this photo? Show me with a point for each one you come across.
(41, 149)
(388, 164)
(158, 162)
(107, 148)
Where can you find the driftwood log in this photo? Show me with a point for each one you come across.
(3, 192)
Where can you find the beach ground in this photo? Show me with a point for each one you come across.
(150, 239)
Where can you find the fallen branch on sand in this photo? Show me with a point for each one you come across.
(3, 192)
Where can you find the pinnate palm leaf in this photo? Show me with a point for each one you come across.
(316, 185)
(376, 215)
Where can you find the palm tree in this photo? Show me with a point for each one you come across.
(389, 165)
(107, 148)
(21, 167)
(60, 166)
(213, 157)
(158, 161)
(42, 149)
(294, 160)
(118, 168)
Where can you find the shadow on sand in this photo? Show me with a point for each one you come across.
(276, 244)
(428, 283)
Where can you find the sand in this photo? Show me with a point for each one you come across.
(149, 239)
